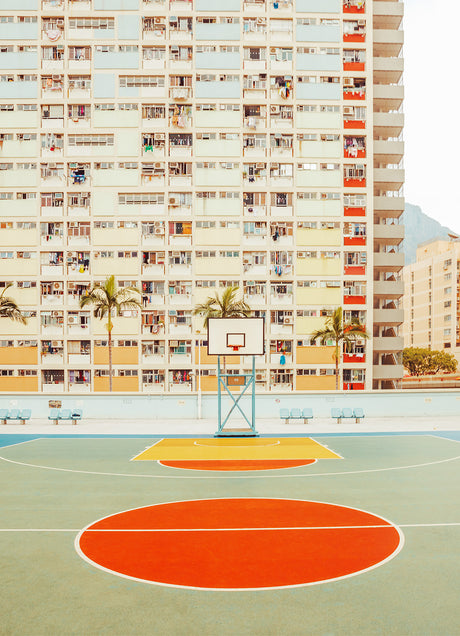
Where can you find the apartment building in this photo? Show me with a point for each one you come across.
(432, 297)
(189, 145)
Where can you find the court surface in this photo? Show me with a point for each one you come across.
(331, 534)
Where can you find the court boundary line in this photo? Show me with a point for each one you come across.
(243, 589)
(146, 448)
(26, 441)
(400, 525)
(339, 456)
(283, 476)
(449, 439)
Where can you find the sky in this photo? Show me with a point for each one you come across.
(432, 108)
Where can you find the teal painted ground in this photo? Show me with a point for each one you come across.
(48, 589)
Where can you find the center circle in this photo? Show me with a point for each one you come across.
(239, 543)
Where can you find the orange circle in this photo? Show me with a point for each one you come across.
(236, 544)
(237, 464)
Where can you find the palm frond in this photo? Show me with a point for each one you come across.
(9, 308)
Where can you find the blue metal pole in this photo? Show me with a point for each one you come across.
(254, 393)
(219, 398)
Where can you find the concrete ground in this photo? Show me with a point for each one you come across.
(276, 426)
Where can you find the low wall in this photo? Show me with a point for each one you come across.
(176, 407)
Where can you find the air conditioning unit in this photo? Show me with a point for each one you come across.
(56, 77)
(274, 109)
(172, 201)
(260, 376)
(51, 165)
(361, 22)
(348, 81)
(348, 110)
(60, 21)
(70, 254)
(55, 343)
(157, 20)
(73, 320)
(158, 230)
(288, 320)
(158, 165)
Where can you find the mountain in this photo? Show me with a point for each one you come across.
(419, 228)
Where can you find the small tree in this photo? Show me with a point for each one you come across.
(110, 301)
(224, 306)
(443, 361)
(9, 308)
(424, 361)
(340, 334)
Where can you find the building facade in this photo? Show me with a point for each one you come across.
(189, 145)
(432, 297)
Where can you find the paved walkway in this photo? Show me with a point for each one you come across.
(264, 426)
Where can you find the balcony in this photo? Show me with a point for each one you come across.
(387, 151)
(387, 371)
(388, 233)
(388, 42)
(388, 317)
(354, 299)
(390, 344)
(354, 211)
(354, 270)
(388, 178)
(388, 97)
(388, 70)
(389, 206)
(389, 261)
(389, 288)
(354, 7)
(391, 123)
(387, 15)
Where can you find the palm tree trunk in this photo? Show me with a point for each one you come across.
(110, 360)
(336, 365)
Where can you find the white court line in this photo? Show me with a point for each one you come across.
(449, 439)
(195, 443)
(146, 448)
(27, 441)
(226, 476)
(327, 447)
(387, 527)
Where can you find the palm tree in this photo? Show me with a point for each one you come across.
(9, 308)
(110, 301)
(339, 333)
(225, 306)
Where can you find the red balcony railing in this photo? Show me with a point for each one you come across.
(347, 211)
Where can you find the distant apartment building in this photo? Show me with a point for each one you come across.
(186, 146)
(432, 297)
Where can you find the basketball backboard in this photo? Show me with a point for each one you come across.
(236, 336)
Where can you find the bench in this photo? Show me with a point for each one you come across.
(346, 414)
(296, 414)
(15, 415)
(65, 415)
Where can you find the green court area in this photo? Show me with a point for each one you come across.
(360, 537)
